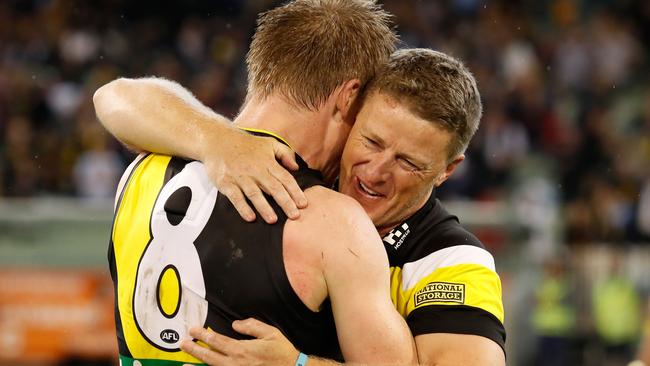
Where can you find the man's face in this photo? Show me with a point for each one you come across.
(392, 161)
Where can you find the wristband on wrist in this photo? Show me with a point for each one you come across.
(302, 359)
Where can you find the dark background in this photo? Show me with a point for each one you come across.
(557, 179)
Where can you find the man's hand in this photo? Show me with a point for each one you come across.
(244, 166)
(161, 116)
(269, 348)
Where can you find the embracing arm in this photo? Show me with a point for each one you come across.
(356, 271)
(445, 349)
(158, 115)
(268, 348)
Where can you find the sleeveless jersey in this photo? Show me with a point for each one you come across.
(181, 256)
(442, 278)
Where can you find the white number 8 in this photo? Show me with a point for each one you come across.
(172, 252)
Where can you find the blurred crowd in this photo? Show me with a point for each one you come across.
(565, 86)
(565, 137)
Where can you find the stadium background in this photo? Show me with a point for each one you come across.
(556, 183)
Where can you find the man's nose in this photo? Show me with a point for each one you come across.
(378, 169)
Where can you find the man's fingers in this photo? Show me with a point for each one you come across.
(217, 342)
(281, 197)
(236, 197)
(289, 183)
(288, 159)
(254, 328)
(285, 155)
(254, 194)
(204, 354)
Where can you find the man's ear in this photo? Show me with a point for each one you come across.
(347, 99)
(451, 167)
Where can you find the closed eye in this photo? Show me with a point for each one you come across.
(370, 142)
(409, 165)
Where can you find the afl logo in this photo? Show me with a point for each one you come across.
(169, 336)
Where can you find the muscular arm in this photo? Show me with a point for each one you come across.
(444, 349)
(158, 115)
(344, 251)
(482, 313)
(355, 270)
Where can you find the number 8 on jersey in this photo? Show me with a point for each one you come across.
(169, 291)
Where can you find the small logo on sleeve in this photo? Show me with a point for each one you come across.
(441, 292)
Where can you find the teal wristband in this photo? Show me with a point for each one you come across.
(302, 359)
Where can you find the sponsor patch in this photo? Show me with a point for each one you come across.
(396, 236)
(441, 292)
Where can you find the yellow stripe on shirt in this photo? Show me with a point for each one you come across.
(268, 133)
(445, 280)
(131, 235)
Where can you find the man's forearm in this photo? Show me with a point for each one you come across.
(158, 115)
(325, 362)
(268, 347)
(313, 361)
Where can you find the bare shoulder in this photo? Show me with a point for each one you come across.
(331, 210)
(339, 223)
(325, 199)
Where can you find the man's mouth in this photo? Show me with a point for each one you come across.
(365, 189)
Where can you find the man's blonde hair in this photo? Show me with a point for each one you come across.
(305, 49)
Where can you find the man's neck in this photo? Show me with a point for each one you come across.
(302, 129)
(383, 231)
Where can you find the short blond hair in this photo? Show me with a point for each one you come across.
(435, 87)
(305, 49)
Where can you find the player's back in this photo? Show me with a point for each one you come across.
(181, 256)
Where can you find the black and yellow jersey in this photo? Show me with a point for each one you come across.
(442, 278)
(180, 256)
